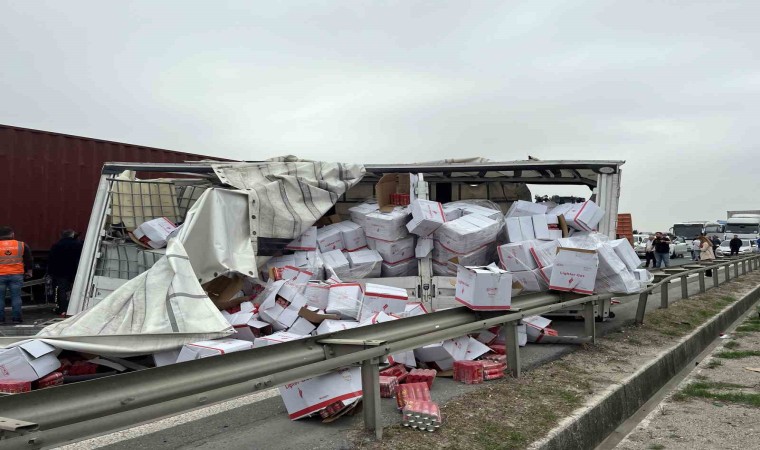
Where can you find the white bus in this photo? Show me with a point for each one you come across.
(691, 230)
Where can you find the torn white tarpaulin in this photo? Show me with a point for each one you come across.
(158, 310)
(217, 236)
(289, 196)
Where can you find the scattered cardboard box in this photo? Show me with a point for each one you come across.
(28, 361)
(574, 270)
(306, 397)
(484, 288)
(205, 349)
(154, 233)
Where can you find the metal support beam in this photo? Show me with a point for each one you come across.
(702, 287)
(589, 321)
(373, 419)
(642, 308)
(664, 295)
(684, 287)
(513, 349)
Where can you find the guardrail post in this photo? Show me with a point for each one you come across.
(736, 269)
(373, 419)
(728, 271)
(664, 295)
(684, 287)
(589, 320)
(642, 308)
(744, 267)
(702, 282)
(513, 348)
(715, 277)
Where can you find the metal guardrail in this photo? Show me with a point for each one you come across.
(75, 411)
(747, 264)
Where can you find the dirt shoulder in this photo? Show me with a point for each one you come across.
(717, 407)
(513, 413)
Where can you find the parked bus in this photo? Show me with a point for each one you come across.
(691, 230)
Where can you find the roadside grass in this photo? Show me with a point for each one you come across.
(707, 390)
(731, 345)
(749, 326)
(682, 317)
(656, 447)
(714, 363)
(504, 414)
(737, 354)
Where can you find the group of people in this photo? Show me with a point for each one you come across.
(657, 249)
(17, 264)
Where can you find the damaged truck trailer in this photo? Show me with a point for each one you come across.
(259, 254)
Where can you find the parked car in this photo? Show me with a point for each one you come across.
(748, 246)
(639, 244)
(679, 247)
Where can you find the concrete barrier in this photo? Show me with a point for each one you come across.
(589, 426)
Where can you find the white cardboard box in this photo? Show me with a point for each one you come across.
(443, 354)
(468, 233)
(394, 251)
(546, 227)
(379, 298)
(276, 338)
(302, 327)
(574, 271)
(331, 325)
(520, 229)
(406, 268)
(531, 281)
(336, 260)
(521, 208)
(306, 242)
(424, 247)
(414, 309)
(359, 212)
(442, 255)
(545, 253)
(492, 214)
(516, 257)
(427, 216)
(484, 288)
(389, 226)
(345, 299)
(205, 349)
(306, 397)
(353, 236)
(330, 238)
(166, 357)
(536, 327)
(316, 294)
(365, 263)
(452, 212)
(626, 253)
(154, 233)
(28, 361)
(584, 216)
(375, 318)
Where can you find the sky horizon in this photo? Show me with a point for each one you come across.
(669, 89)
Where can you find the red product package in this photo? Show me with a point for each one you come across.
(396, 370)
(421, 415)
(388, 386)
(494, 376)
(468, 372)
(15, 386)
(411, 391)
(490, 365)
(422, 375)
(495, 357)
(49, 380)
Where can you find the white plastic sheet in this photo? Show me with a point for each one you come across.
(161, 309)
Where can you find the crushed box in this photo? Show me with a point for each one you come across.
(28, 361)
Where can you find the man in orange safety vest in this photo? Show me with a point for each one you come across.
(15, 263)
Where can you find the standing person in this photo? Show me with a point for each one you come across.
(649, 251)
(62, 268)
(661, 250)
(15, 262)
(695, 245)
(706, 252)
(735, 244)
(715, 244)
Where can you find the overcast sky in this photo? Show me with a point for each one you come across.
(669, 86)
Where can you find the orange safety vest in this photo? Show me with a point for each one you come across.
(11, 257)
